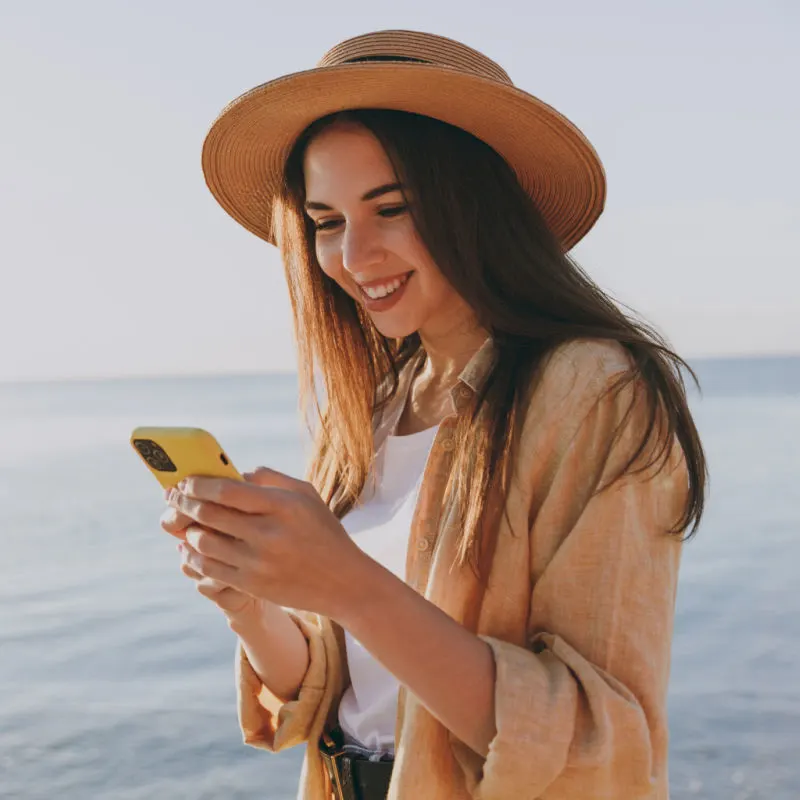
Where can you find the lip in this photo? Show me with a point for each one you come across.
(385, 303)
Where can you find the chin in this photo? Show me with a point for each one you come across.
(395, 330)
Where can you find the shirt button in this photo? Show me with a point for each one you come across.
(465, 391)
(424, 544)
(448, 443)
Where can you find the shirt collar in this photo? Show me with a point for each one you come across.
(477, 369)
(469, 381)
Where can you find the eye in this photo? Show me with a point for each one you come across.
(393, 211)
(323, 226)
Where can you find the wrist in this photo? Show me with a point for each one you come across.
(360, 591)
(251, 617)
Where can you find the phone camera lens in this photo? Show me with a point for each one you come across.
(154, 455)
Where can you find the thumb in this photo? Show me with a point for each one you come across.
(264, 476)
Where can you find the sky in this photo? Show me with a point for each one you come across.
(115, 259)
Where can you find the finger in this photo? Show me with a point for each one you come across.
(221, 519)
(216, 545)
(264, 476)
(211, 568)
(207, 586)
(185, 549)
(225, 597)
(271, 494)
(190, 573)
(174, 523)
(212, 589)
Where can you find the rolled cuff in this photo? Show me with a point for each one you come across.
(265, 720)
(564, 729)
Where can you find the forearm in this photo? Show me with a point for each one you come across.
(275, 648)
(450, 670)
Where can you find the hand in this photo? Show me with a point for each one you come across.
(272, 538)
(234, 604)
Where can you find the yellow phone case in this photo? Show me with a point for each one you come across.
(172, 454)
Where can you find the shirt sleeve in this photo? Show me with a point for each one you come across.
(265, 720)
(580, 710)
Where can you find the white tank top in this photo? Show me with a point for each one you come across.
(381, 526)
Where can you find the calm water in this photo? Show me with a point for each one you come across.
(116, 677)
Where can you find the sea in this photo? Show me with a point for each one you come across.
(116, 676)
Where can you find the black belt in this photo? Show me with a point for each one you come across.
(353, 777)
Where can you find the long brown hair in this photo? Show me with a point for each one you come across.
(489, 240)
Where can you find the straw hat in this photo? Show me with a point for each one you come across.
(246, 148)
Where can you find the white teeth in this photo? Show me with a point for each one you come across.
(376, 292)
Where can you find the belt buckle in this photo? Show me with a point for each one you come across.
(331, 752)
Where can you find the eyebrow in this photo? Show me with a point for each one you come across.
(370, 195)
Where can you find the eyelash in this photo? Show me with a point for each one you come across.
(394, 211)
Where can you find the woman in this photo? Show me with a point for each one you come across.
(473, 594)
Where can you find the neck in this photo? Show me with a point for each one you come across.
(446, 356)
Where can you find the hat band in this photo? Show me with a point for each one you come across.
(385, 58)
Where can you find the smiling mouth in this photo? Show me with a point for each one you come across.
(403, 281)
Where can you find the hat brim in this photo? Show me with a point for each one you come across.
(247, 146)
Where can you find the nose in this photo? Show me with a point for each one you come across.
(361, 248)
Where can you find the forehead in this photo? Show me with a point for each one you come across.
(344, 155)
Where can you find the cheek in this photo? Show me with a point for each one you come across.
(330, 262)
(430, 279)
(434, 290)
(403, 240)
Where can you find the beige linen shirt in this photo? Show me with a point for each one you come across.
(578, 612)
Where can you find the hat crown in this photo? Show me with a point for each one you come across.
(414, 46)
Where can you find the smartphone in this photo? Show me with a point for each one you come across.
(172, 454)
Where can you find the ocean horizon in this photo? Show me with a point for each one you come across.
(770, 362)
